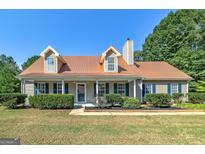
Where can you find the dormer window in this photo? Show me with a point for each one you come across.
(50, 61)
(51, 65)
(110, 64)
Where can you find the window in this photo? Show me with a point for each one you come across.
(110, 64)
(41, 88)
(148, 88)
(101, 89)
(59, 88)
(174, 88)
(50, 64)
(121, 88)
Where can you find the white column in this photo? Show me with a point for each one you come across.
(134, 86)
(141, 90)
(63, 87)
(96, 92)
(24, 86)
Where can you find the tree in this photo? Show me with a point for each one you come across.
(8, 75)
(29, 61)
(138, 55)
(179, 40)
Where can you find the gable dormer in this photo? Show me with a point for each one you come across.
(52, 60)
(109, 59)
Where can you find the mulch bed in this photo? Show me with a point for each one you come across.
(141, 110)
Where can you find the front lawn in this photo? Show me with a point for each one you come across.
(34, 126)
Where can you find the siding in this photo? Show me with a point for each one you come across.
(29, 88)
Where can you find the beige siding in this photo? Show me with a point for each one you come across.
(90, 92)
(29, 88)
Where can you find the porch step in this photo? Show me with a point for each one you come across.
(79, 105)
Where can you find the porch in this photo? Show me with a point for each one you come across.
(85, 91)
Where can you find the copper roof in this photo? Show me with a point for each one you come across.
(89, 66)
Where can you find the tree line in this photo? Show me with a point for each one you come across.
(179, 39)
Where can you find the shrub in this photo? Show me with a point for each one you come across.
(11, 104)
(158, 100)
(196, 97)
(52, 101)
(11, 100)
(177, 97)
(130, 103)
(113, 98)
(191, 106)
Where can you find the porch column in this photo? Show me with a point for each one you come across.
(96, 92)
(141, 90)
(24, 87)
(134, 88)
(63, 87)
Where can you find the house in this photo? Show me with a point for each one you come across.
(90, 77)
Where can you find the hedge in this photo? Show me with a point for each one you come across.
(52, 101)
(130, 103)
(11, 100)
(196, 97)
(158, 100)
(177, 97)
(113, 98)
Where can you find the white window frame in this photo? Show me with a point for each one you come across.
(41, 88)
(51, 67)
(101, 92)
(151, 89)
(59, 88)
(120, 91)
(110, 64)
(176, 90)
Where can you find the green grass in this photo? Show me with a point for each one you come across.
(191, 106)
(35, 126)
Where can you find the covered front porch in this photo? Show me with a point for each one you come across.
(85, 91)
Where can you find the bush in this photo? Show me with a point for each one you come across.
(191, 106)
(11, 104)
(113, 98)
(196, 97)
(177, 97)
(158, 100)
(130, 103)
(11, 100)
(52, 101)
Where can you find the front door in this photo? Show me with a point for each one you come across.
(81, 92)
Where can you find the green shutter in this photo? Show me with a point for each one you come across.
(169, 88)
(47, 88)
(55, 88)
(115, 88)
(127, 89)
(66, 88)
(95, 89)
(179, 88)
(35, 88)
(153, 88)
(107, 88)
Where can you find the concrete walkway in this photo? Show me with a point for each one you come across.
(82, 113)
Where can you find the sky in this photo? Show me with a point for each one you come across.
(24, 33)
